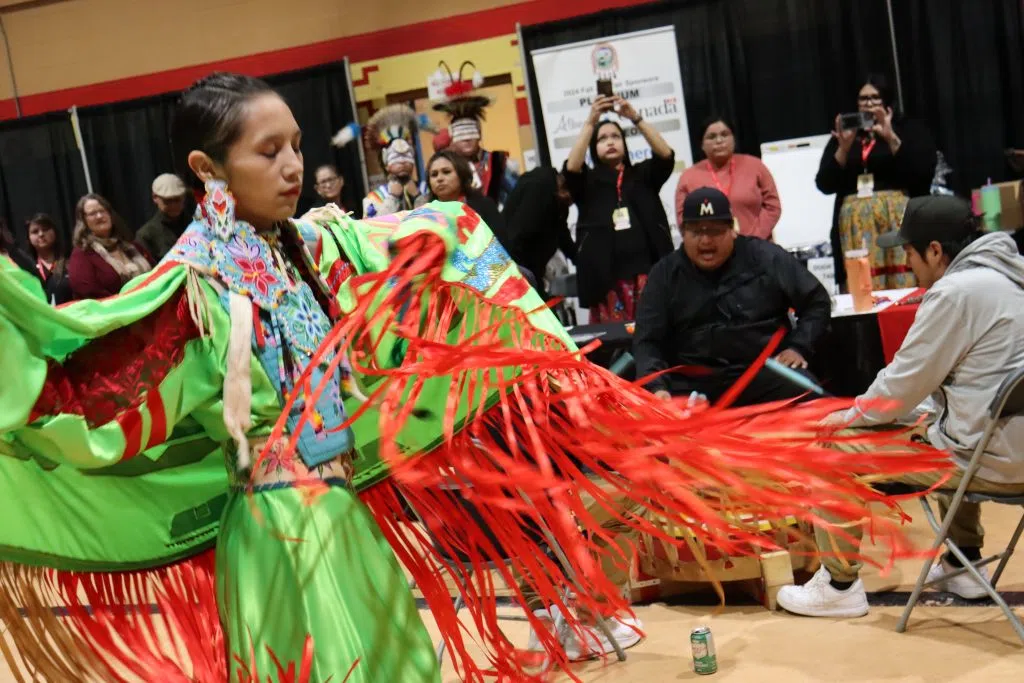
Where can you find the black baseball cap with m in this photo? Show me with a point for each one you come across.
(934, 218)
(706, 204)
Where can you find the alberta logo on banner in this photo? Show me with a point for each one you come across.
(644, 69)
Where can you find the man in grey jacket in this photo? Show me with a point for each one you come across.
(967, 336)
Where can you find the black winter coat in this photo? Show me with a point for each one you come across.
(722, 320)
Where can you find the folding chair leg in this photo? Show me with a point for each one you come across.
(989, 588)
(602, 624)
(1008, 552)
(940, 538)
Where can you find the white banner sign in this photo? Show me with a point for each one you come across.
(643, 68)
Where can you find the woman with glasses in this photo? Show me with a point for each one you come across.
(873, 169)
(103, 259)
(742, 178)
(329, 184)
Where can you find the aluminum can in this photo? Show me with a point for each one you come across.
(702, 643)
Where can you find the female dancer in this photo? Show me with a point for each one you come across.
(257, 340)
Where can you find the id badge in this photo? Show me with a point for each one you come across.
(865, 185)
(620, 218)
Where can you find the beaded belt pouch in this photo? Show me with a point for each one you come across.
(277, 470)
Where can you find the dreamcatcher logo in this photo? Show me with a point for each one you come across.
(604, 60)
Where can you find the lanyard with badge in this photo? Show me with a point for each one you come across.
(620, 216)
(866, 181)
(732, 177)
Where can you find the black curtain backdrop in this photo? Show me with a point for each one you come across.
(127, 147)
(961, 65)
(40, 171)
(777, 68)
(128, 143)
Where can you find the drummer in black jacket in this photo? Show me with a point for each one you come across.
(714, 304)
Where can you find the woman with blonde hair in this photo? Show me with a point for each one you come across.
(104, 258)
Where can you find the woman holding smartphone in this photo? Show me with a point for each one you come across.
(873, 172)
(622, 228)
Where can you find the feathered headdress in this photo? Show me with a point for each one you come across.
(391, 130)
(393, 122)
(456, 97)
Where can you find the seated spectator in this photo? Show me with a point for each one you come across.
(103, 258)
(161, 231)
(744, 179)
(51, 260)
(967, 335)
(714, 304)
(536, 218)
(329, 184)
(622, 229)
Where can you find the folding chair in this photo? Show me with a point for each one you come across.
(541, 534)
(565, 287)
(1008, 403)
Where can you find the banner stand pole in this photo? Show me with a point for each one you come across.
(355, 117)
(73, 111)
(524, 66)
(895, 56)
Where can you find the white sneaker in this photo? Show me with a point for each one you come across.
(817, 598)
(626, 631)
(964, 585)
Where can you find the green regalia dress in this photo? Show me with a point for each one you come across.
(240, 435)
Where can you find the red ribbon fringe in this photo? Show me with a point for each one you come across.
(496, 491)
(504, 488)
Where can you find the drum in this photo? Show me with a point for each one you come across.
(695, 563)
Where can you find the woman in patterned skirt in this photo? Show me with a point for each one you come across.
(873, 171)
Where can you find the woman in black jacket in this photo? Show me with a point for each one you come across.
(622, 228)
(873, 173)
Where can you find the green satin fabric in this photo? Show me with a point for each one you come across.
(71, 501)
(286, 569)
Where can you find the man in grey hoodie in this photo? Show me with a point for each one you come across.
(967, 336)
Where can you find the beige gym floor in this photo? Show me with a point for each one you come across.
(956, 643)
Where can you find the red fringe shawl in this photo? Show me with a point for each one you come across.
(562, 426)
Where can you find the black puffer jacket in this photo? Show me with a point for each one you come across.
(723, 320)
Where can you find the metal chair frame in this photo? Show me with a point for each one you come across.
(1008, 403)
(560, 556)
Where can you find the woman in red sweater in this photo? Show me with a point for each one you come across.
(104, 258)
(742, 178)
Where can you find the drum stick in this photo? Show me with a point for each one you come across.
(795, 377)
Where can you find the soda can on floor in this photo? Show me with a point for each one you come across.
(702, 643)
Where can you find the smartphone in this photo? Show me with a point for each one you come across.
(858, 120)
(604, 87)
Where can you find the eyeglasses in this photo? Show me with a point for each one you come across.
(869, 98)
(327, 181)
(97, 213)
(712, 137)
